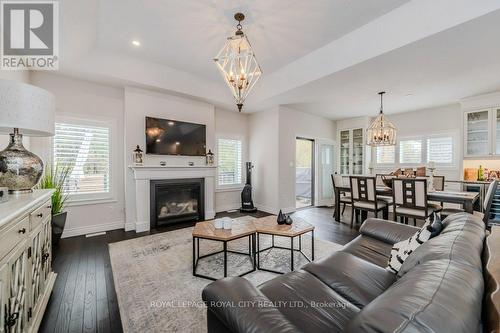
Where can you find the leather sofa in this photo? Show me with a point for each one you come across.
(438, 289)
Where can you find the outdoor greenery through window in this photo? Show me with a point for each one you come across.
(85, 150)
(229, 162)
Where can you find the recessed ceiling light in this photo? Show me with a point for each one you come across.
(177, 143)
(408, 95)
(170, 123)
(136, 43)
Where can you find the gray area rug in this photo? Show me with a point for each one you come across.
(156, 289)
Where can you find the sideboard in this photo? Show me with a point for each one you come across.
(26, 276)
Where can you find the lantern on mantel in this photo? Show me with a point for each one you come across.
(137, 156)
(238, 65)
(381, 132)
(210, 158)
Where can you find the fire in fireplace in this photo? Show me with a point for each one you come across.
(176, 200)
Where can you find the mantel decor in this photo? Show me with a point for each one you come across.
(29, 110)
(381, 132)
(238, 65)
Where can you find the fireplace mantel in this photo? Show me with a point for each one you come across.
(144, 173)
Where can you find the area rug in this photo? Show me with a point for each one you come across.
(156, 289)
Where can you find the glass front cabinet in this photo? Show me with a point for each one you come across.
(482, 133)
(352, 145)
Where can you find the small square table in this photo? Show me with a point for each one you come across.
(206, 230)
(268, 226)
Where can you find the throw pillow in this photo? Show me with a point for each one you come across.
(435, 225)
(402, 250)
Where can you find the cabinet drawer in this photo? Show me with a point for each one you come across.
(13, 236)
(40, 214)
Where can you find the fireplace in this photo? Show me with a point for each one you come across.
(176, 200)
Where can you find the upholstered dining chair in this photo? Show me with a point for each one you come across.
(488, 200)
(364, 197)
(380, 182)
(344, 199)
(438, 184)
(410, 199)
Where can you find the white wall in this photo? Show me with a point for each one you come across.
(443, 119)
(263, 129)
(87, 100)
(293, 124)
(233, 125)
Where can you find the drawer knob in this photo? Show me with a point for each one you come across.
(22, 230)
(12, 319)
(49, 207)
(45, 256)
(40, 215)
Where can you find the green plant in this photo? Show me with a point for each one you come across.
(55, 178)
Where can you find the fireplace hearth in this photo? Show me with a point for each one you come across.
(175, 201)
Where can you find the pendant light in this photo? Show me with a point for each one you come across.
(238, 65)
(381, 132)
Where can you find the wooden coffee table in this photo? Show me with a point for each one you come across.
(268, 226)
(206, 230)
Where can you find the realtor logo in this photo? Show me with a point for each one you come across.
(30, 35)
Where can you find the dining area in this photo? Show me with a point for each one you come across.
(408, 198)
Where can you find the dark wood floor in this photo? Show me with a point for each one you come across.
(84, 298)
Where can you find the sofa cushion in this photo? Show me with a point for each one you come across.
(436, 296)
(355, 279)
(386, 231)
(461, 240)
(370, 249)
(308, 303)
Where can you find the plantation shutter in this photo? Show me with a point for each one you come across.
(440, 150)
(229, 162)
(85, 150)
(386, 154)
(410, 151)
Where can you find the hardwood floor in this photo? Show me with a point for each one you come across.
(84, 298)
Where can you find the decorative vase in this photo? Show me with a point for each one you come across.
(137, 156)
(58, 223)
(20, 169)
(210, 158)
(288, 220)
(281, 218)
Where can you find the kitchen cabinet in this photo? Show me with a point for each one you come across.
(482, 133)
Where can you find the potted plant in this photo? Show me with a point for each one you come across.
(54, 178)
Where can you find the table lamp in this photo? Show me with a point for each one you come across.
(28, 110)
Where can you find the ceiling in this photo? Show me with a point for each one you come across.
(326, 57)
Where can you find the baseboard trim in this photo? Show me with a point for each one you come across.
(91, 229)
(289, 210)
(267, 209)
(129, 226)
(142, 226)
(225, 208)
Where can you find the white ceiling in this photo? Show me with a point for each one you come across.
(327, 57)
(187, 34)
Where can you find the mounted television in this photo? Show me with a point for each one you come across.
(172, 137)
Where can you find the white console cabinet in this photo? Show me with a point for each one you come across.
(26, 276)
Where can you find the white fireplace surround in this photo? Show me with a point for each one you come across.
(143, 175)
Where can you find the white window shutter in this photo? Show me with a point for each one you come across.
(386, 154)
(410, 151)
(229, 162)
(440, 150)
(85, 150)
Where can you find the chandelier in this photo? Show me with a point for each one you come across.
(238, 65)
(381, 132)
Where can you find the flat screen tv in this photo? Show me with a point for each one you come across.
(172, 137)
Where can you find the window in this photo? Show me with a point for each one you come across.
(386, 154)
(410, 151)
(229, 162)
(85, 151)
(440, 150)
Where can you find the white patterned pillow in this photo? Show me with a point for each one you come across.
(402, 250)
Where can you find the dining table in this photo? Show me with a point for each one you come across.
(466, 199)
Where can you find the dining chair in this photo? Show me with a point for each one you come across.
(488, 200)
(364, 197)
(344, 199)
(380, 182)
(410, 199)
(438, 184)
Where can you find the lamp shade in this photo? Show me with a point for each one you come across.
(29, 108)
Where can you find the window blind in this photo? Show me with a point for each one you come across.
(85, 150)
(440, 150)
(386, 154)
(229, 162)
(410, 151)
